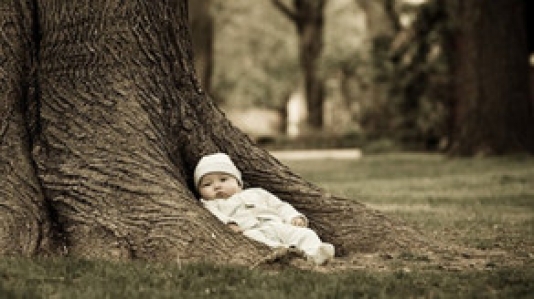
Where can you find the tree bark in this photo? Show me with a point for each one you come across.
(122, 122)
(117, 82)
(493, 113)
(24, 219)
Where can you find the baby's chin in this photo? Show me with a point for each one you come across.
(222, 195)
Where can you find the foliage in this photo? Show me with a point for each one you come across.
(417, 71)
(485, 203)
(256, 50)
(256, 64)
(256, 61)
(344, 37)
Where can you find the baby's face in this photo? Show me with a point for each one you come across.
(218, 185)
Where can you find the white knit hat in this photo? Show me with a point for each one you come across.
(217, 162)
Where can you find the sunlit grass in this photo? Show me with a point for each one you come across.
(479, 203)
(482, 203)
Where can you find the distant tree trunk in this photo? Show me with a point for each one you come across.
(202, 31)
(120, 123)
(492, 110)
(382, 24)
(308, 17)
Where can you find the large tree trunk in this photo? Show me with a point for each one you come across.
(118, 134)
(24, 219)
(492, 110)
(122, 122)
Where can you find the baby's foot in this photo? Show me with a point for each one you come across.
(325, 252)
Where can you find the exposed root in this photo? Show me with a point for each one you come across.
(281, 258)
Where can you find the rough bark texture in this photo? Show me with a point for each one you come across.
(122, 121)
(493, 113)
(24, 221)
(117, 83)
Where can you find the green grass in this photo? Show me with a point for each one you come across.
(97, 279)
(480, 203)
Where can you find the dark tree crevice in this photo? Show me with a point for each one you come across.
(25, 223)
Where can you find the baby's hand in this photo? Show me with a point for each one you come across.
(299, 221)
(235, 228)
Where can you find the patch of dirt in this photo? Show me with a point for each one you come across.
(444, 259)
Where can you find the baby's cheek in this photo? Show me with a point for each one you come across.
(205, 193)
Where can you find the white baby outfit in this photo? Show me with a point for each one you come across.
(267, 219)
(261, 215)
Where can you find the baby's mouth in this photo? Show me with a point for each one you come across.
(221, 195)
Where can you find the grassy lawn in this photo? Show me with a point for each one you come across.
(481, 203)
(486, 204)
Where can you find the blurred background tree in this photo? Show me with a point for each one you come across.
(492, 111)
(308, 18)
(426, 74)
(255, 54)
(202, 21)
